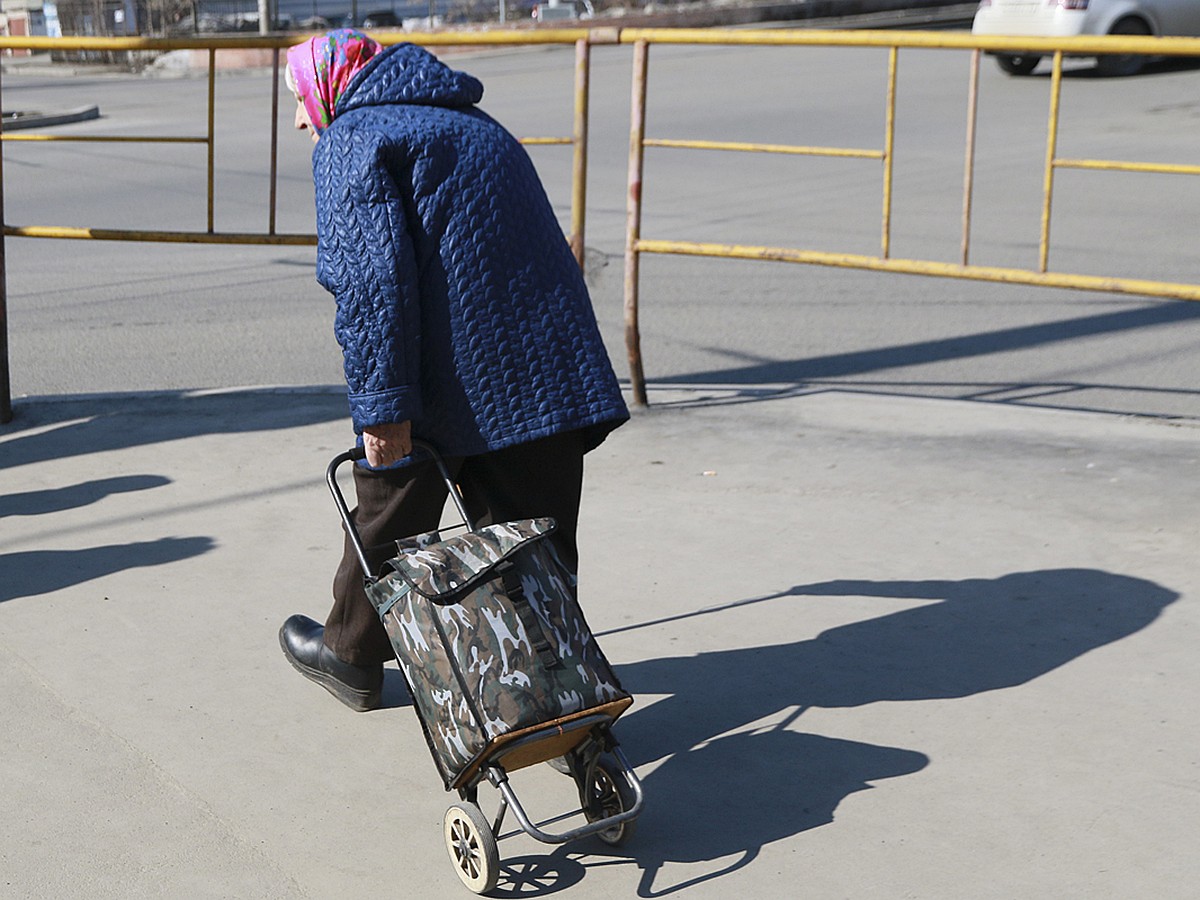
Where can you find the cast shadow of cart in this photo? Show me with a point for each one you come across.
(711, 809)
(735, 775)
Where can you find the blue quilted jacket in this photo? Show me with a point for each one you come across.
(459, 304)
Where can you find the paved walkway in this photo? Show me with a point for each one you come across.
(882, 647)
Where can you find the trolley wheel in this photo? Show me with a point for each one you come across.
(611, 795)
(472, 847)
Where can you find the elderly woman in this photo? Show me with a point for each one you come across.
(462, 317)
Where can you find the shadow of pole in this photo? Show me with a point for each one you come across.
(78, 427)
(984, 343)
(38, 503)
(36, 572)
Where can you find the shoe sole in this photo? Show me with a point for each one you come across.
(357, 700)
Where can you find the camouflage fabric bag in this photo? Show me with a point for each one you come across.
(492, 642)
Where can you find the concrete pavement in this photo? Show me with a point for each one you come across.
(882, 647)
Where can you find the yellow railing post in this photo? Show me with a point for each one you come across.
(6, 410)
(969, 164)
(274, 139)
(888, 145)
(633, 221)
(1051, 152)
(579, 138)
(212, 119)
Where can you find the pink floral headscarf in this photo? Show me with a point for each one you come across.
(322, 67)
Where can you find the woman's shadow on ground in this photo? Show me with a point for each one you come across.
(725, 789)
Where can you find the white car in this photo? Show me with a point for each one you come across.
(1066, 18)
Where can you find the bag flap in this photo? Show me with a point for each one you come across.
(449, 569)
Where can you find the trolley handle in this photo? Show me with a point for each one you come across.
(354, 454)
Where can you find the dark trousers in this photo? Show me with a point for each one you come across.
(539, 478)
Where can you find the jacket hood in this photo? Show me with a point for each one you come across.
(408, 74)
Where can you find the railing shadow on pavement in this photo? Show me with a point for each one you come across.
(984, 343)
(758, 378)
(1030, 394)
(32, 573)
(75, 427)
(727, 784)
(43, 502)
(78, 426)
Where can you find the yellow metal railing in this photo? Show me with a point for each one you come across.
(581, 38)
(577, 139)
(1057, 48)
(635, 244)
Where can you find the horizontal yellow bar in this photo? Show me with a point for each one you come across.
(545, 141)
(34, 42)
(1090, 45)
(256, 42)
(763, 148)
(161, 237)
(505, 37)
(101, 138)
(1168, 289)
(951, 40)
(1115, 166)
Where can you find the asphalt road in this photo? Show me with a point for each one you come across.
(114, 317)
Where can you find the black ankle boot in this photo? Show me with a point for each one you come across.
(359, 687)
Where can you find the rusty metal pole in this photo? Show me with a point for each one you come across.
(274, 138)
(6, 410)
(1051, 157)
(633, 221)
(969, 165)
(212, 100)
(579, 138)
(889, 146)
